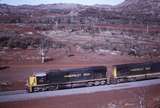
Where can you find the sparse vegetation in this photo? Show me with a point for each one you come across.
(15, 40)
(133, 30)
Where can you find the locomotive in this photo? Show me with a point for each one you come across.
(136, 71)
(92, 76)
(67, 78)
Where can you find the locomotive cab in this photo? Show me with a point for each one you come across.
(35, 80)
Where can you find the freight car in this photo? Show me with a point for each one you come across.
(58, 79)
(135, 71)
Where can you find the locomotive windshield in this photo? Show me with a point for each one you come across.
(41, 78)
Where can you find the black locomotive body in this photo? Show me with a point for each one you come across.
(136, 71)
(76, 75)
(68, 78)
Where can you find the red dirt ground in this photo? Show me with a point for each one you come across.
(129, 98)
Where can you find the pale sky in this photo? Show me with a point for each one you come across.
(85, 2)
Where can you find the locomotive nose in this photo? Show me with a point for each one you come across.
(34, 80)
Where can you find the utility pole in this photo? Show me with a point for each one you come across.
(42, 56)
(43, 53)
(44, 50)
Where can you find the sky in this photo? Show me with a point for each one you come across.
(85, 2)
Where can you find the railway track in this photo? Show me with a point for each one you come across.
(12, 92)
(22, 95)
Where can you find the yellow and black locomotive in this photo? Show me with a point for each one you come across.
(91, 76)
(67, 78)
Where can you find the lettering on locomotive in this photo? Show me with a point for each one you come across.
(72, 75)
(86, 74)
(147, 68)
(140, 69)
(137, 69)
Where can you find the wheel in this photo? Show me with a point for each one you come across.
(90, 84)
(57, 87)
(102, 82)
(44, 88)
(96, 83)
(118, 80)
(52, 88)
(35, 89)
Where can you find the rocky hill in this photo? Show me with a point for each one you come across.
(133, 26)
(150, 8)
(135, 11)
(144, 6)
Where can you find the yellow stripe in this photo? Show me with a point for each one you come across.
(115, 72)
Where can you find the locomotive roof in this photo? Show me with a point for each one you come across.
(40, 74)
(85, 69)
(137, 64)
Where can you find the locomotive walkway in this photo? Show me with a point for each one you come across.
(23, 95)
